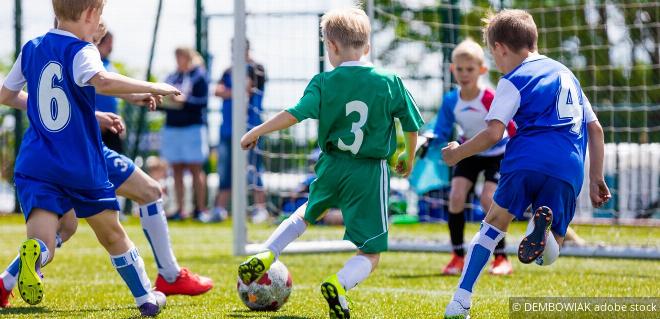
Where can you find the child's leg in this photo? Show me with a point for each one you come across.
(456, 219)
(124, 256)
(288, 231)
(357, 269)
(493, 229)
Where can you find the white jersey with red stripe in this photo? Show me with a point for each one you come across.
(469, 115)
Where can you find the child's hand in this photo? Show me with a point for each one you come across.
(450, 154)
(599, 193)
(110, 121)
(404, 164)
(164, 89)
(148, 100)
(249, 141)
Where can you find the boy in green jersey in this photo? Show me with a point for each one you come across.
(356, 105)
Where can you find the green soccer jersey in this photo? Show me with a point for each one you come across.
(356, 105)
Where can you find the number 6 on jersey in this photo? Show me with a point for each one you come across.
(356, 128)
(54, 108)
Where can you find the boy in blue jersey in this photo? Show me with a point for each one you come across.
(60, 165)
(543, 164)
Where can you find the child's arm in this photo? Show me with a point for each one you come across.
(281, 121)
(598, 191)
(109, 83)
(406, 159)
(454, 153)
(15, 99)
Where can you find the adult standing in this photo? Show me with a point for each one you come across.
(256, 84)
(184, 137)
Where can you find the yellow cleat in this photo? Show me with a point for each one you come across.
(255, 266)
(29, 275)
(335, 294)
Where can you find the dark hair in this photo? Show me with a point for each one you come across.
(514, 28)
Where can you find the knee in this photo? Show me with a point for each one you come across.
(152, 192)
(68, 229)
(113, 237)
(456, 201)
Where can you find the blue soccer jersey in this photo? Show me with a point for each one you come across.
(63, 143)
(546, 102)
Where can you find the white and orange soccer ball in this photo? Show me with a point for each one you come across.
(270, 292)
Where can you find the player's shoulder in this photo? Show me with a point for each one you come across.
(533, 69)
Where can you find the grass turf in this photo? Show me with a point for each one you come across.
(81, 283)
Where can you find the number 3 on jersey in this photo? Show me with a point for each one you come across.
(567, 108)
(356, 128)
(54, 108)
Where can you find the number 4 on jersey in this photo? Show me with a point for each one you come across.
(567, 108)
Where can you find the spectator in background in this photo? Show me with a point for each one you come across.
(184, 137)
(107, 103)
(256, 84)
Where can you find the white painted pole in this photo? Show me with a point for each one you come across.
(370, 13)
(239, 115)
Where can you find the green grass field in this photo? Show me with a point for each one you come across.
(81, 283)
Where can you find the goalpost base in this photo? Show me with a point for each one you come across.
(334, 246)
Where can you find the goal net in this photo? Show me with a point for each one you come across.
(610, 46)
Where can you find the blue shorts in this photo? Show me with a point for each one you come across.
(254, 170)
(119, 167)
(184, 145)
(517, 190)
(34, 193)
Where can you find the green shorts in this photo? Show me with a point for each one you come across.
(360, 188)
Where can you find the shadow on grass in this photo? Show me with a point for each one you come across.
(262, 314)
(27, 310)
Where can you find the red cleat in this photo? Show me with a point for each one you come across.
(186, 283)
(501, 266)
(4, 295)
(455, 266)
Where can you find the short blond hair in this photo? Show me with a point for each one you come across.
(514, 28)
(348, 26)
(191, 54)
(70, 10)
(470, 49)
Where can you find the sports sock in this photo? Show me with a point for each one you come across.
(290, 229)
(481, 248)
(44, 252)
(550, 252)
(355, 270)
(456, 224)
(130, 267)
(154, 226)
(9, 275)
(499, 249)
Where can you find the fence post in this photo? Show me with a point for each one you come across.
(18, 115)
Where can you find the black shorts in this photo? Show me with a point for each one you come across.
(113, 141)
(471, 167)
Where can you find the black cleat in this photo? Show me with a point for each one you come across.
(532, 246)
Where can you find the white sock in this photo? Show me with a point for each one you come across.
(355, 271)
(130, 267)
(9, 275)
(154, 225)
(482, 246)
(290, 229)
(550, 252)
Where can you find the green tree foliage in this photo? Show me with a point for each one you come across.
(611, 46)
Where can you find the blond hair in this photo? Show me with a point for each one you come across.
(70, 10)
(470, 49)
(191, 54)
(350, 27)
(514, 28)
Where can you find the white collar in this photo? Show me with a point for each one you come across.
(356, 63)
(62, 32)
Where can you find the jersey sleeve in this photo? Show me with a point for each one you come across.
(506, 102)
(589, 114)
(308, 106)
(444, 124)
(86, 64)
(405, 109)
(15, 79)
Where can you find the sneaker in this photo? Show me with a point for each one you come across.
(532, 246)
(335, 294)
(149, 309)
(500, 266)
(455, 266)
(186, 283)
(4, 295)
(30, 286)
(260, 215)
(456, 311)
(216, 215)
(255, 266)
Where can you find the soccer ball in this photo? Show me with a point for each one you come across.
(270, 292)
